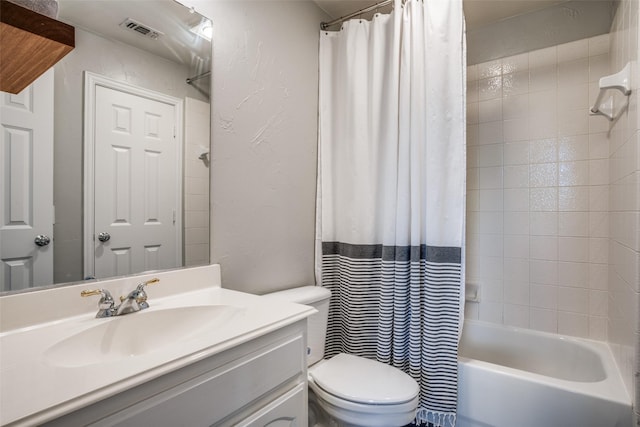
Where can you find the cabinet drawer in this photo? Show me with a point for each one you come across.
(213, 396)
(286, 411)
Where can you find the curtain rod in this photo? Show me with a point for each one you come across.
(325, 25)
(198, 77)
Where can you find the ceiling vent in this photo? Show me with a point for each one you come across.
(141, 29)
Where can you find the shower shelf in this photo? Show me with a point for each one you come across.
(620, 81)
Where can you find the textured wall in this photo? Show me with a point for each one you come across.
(264, 119)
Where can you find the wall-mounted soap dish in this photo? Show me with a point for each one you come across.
(620, 81)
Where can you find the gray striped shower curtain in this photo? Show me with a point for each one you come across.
(391, 193)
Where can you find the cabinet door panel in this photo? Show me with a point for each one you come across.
(289, 410)
(207, 399)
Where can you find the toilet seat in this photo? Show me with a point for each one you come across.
(358, 393)
(362, 381)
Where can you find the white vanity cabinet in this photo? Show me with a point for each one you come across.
(254, 384)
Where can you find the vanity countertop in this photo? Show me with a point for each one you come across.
(35, 388)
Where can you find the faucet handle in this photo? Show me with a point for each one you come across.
(105, 305)
(149, 282)
(141, 297)
(139, 293)
(106, 297)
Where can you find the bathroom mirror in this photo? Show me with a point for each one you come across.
(159, 46)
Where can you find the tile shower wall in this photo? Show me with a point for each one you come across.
(537, 192)
(197, 134)
(624, 168)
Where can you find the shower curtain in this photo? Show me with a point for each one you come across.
(391, 193)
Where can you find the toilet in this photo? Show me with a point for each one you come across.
(348, 390)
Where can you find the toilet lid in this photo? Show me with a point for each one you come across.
(363, 380)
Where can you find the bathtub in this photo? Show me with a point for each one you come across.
(511, 377)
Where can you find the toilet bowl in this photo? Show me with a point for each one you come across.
(348, 390)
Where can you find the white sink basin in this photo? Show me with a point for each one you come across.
(136, 334)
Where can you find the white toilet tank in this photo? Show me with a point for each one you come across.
(318, 298)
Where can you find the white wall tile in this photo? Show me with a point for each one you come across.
(543, 78)
(490, 222)
(472, 72)
(516, 106)
(575, 300)
(516, 270)
(543, 102)
(490, 69)
(472, 113)
(490, 177)
(516, 315)
(598, 328)
(515, 83)
(544, 296)
(573, 148)
(490, 110)
(516, 153)
(544, 223)
(490, 133)
(472, 91)
(599, 67)
(599, 45)
(573, 274)
(490, 155)
(573, 198)
(598, 276)
(543, 57)
(539, 191)
(573, 224)
(516, 176)
(516, 129)
(573, 96)
(598, 145)
(543, 320)
(574, 249)
(573, 324)
(573, 122)
(598, 303)
(543, 199)
(517, 293)
(543, 150)
(544, 247)
(599, 198)
(543, 272)
(515, 63)
(598, 172)
(490, 88)
(516, 246)
(573, 50)
(598, 224)
(516, 199)
(543, 175)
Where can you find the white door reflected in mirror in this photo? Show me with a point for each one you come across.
(26, 186)
(136, 142)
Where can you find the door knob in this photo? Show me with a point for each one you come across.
(42, 240)
(104, 237)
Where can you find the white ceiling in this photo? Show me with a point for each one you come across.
(171, 18)
(478, 13)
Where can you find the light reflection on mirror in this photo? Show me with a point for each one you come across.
(176, 63)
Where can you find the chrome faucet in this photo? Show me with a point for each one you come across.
(135, 301)
(106, 305)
